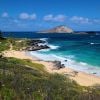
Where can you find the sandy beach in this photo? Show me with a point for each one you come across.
(81, 78)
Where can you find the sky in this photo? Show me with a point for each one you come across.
(36, 15)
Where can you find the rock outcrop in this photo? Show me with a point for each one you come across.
(58, 65)
(35, 45)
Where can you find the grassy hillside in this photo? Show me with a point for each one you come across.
(14, 44)
(24, 80)
(4, 45)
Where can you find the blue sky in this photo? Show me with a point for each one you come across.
(33, 15)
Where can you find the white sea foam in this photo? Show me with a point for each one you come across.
(44, 50)
(42, 56)
(46, 43)
(91, 43)
(84, 64)
(44, 39)
(94, 43)
(53, 46)
(80, 66)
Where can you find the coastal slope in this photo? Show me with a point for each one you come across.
(81, 78)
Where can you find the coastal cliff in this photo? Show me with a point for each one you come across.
(58, 29)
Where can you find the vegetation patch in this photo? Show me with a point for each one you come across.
(25, 80)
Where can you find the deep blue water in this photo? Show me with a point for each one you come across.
(43, 35)
(81, 51)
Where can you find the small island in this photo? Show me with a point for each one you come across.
(58, 29)
(67, 30)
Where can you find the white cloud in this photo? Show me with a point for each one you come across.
(60, 18)
(96, 21)
(57, 18)
(33, 16)
(81, 20)
(5, 15)
(24, 16)
(27, 16)
(48, 17)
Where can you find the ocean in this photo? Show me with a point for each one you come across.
(82, 52)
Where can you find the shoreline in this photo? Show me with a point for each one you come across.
(81, 78)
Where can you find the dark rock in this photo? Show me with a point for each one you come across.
(88, 32)
(91, 32)
(35, 42)
(58, 64)
(34, 48)
(94, 73)
(81, 33)
(34, 45)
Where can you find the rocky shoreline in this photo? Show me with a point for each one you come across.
(35, 45)
(38, 44)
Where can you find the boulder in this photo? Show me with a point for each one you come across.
(58, 65)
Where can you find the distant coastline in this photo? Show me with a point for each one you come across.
(64, 29)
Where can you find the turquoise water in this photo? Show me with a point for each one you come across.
(83, 54)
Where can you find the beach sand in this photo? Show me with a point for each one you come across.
(81, 78)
